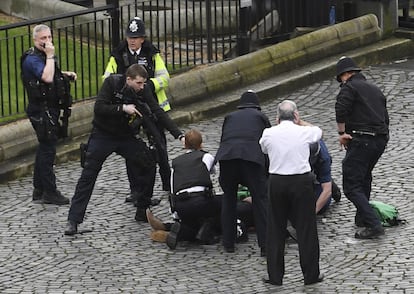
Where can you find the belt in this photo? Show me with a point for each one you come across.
(364, 133)
(188, 195)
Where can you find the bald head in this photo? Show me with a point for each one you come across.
(287, 110)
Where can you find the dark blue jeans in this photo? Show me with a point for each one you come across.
(363, 152)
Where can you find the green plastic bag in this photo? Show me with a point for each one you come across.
(388, 214)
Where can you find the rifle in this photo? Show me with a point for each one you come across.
(148, 122)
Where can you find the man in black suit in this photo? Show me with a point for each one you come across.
(242, 162)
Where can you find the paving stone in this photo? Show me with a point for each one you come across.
(118, 256)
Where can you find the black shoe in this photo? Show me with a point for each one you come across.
(205, 233)
(319, 279)
(55, 198)
(132, 197)
(37, 194)
(140, 215)
(266, 281)
(229, 249)
(172, 237)
(71, 228)
(263, 252)
(336, 192)
(369, 233)
(155, 202)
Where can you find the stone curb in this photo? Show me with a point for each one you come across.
(274, 60)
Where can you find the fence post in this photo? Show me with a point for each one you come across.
(209, 34)
(243, 36)
(114, 13)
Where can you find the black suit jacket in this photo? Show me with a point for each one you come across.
(240, 136)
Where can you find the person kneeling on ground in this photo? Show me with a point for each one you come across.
(192, 193)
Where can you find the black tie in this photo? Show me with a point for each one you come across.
(136, 57)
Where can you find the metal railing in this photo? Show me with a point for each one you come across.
(187, 32)
(79, 46)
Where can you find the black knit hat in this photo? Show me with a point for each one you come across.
(135, 28)
(249, 99)
(345, 64)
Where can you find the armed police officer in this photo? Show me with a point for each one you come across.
(124, 104)
(136, 49)
(48, 92)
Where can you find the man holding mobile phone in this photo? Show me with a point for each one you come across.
(45, 85)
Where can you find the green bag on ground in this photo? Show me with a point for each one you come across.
(388, 214)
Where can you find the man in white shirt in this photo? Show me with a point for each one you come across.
(291, 195)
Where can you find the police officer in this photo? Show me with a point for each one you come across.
(47, 87)
(362, 119)
(192, 198)
(136, 49)
(242, 162)
(124, 103)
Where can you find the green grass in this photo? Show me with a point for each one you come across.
(85, 57)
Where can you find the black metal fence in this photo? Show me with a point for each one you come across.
(80, 46)
(188, 33)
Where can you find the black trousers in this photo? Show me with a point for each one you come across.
(44, 178)
(362, 155)
(193, 212)
(253, 176)
(100, 146)
(292, 198)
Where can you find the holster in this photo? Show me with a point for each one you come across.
(46, 129)
(143, 155)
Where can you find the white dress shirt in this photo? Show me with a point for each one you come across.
(287, 146)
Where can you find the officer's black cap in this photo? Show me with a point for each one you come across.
(249, 99)
(345, 64)
(135, 28)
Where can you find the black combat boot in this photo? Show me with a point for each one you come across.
(172, 237)
(140, 215)
(37, 195)
(71, 228)
(54, 198)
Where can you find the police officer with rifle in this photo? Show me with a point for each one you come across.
(48, 91)
(123, 106)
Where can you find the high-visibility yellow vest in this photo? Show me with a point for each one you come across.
(160, 80)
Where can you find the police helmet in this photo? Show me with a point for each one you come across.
(136, 28)
(249, 99)
(345, 64)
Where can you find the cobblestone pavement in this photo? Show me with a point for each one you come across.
(119, 257)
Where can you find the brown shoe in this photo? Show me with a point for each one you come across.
(155, 223)
(159, 236)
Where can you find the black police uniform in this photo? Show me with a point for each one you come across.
(124, 59)
(112, 133)
(43, 111)
(242, 162)
(193, 208)
(362, 107)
